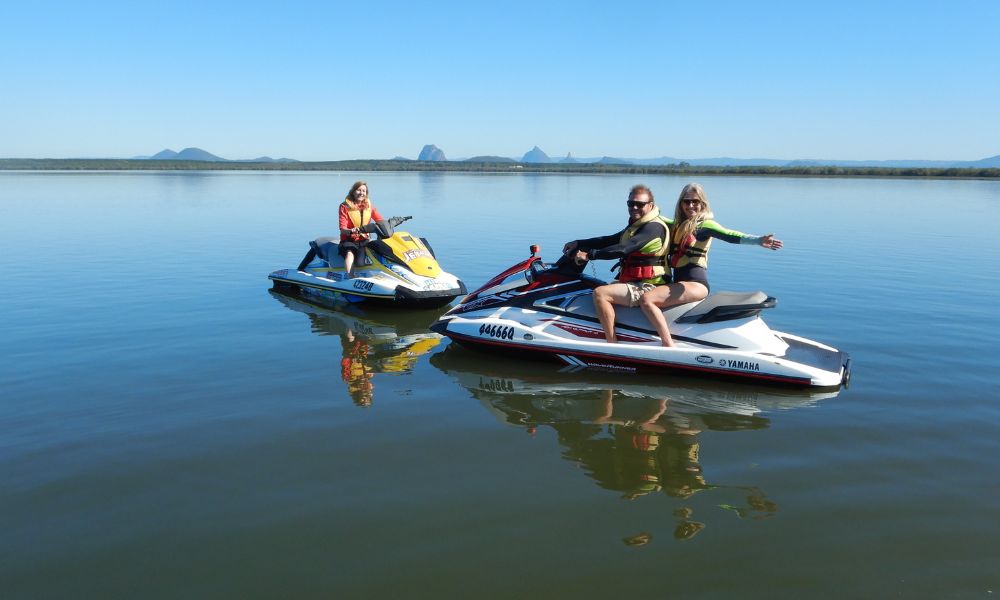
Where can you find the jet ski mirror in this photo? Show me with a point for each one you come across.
(536, 265)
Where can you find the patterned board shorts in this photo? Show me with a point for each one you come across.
(636, 290)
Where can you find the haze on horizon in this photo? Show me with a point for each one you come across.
(849, 80)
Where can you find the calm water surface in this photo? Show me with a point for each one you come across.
(170, 427)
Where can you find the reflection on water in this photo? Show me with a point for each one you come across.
(371, 341)
(636, 436)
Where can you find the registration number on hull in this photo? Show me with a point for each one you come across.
(501, 332)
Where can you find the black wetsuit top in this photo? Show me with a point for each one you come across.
(609, 246)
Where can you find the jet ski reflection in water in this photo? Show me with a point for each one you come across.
(392, 344)
(636, 435)
(534, 310)
(398, 270)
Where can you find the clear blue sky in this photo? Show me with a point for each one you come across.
(322, 81)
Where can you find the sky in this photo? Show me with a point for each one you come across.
(847, 80)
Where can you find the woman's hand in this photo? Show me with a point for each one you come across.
(581, 257)
(770, 242)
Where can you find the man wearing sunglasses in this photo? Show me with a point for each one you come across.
(641, 249)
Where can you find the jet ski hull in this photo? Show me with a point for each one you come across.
(370, 289)
(514, 339)
(547, 313)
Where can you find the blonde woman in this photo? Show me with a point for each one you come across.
(691, 234)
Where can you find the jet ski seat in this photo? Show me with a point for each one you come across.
(725, 306)
(327, 249)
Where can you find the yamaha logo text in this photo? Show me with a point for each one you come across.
(743, 365)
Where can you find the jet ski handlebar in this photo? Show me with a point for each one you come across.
(386, 227)
(568, 265)
(565, 266)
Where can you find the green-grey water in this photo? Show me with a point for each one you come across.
(170, 427)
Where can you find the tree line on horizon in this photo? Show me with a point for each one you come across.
(683, 168)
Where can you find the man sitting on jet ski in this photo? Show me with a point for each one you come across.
(641, 248)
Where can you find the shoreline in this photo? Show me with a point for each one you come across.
(71, 164)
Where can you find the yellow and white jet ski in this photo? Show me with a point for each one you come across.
(397, 269)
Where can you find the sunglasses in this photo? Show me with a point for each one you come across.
(637, 204)
(691, 201)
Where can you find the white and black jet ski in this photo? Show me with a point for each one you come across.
(538, 311)
(397, 269)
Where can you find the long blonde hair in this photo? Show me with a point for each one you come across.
(684, 226)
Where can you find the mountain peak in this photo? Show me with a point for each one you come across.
(535, 155)
(197, 154)
(431, 152)
(167, 154)
(187, 154)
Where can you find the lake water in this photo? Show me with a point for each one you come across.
(171, 428)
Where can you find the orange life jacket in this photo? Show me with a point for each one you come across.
(359, 218)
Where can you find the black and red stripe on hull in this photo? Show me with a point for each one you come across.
(638, 364)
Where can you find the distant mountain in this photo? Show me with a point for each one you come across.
(490, 159)
(727, 161)
(535, 155)
(187, 154)
(267, 159)
(984, 163)
(893, 164)
(736, 162)
(431, 152)
(663, 160)
(992, 162)
(400, 158)
(164, 155)
(197, 154)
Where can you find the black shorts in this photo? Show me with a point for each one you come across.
(692, 273)
(346, 245)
